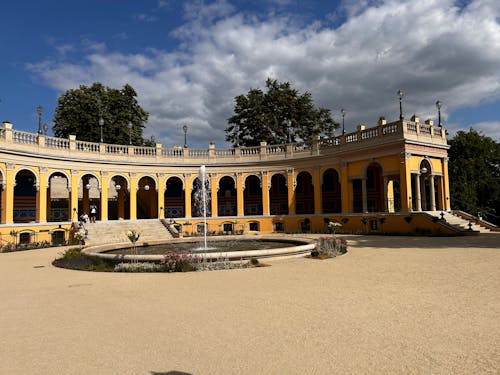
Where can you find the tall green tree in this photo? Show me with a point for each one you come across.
(278, 115)
(79, 110)
(474, 169)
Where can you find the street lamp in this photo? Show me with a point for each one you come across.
(39, 110)
(101, 124)
(343, 112)
(185, 129)
(400, 94)
(130, 132)
(438, 106)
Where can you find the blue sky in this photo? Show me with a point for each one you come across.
(188, 59)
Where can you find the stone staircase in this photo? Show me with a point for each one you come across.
(458, 222)
(115, 231)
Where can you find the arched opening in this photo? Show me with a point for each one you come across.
(429, 190)
(331, 192)
(278, 195)
(58, 198)
(173, 199)
(89, 196)
(252, 196)
(118, 199)
(375, 188)
(226, 197)
(304, 194)
(25, 197)
(147, 199)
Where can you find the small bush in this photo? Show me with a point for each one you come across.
(71, 253)
(330, 246)
(254, 261)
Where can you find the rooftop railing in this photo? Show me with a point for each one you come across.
(399, 130)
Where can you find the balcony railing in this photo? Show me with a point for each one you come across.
(397, 131)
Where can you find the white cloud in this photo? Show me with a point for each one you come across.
(431, 49)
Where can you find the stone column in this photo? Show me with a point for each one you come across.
(41, 196)
(240, 188)
(133, 196)
(265, 186)
(104, 196)
(318, 201)
(187, 195)
(10, 181)
(433, 193)
(291, 191)
(418, 192)
(345, 189)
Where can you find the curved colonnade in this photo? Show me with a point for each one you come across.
(46, 182)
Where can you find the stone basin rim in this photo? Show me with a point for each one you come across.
(299, 247)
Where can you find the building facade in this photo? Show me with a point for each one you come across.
(395, 168)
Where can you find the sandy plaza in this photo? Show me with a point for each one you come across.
(391, 305)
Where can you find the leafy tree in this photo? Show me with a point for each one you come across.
(79, 110)
(474, 170)
(278, 115)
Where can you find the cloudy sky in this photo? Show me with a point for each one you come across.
(189, 59)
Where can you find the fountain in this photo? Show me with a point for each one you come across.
(228, 247)
(203, 176)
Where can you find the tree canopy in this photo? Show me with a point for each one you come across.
(474, 169)
(79, 110)
(280, 114)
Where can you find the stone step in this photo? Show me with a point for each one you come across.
(460, 222)
(116, 231)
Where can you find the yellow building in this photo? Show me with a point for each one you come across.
(388, 171)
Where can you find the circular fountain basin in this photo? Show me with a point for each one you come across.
(258, 247)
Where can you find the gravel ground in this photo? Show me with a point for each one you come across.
(391, 305)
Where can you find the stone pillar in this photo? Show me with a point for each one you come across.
(162, 183)
(318, 198)
(104, 196)
(345, 188)
(187, 195)
(265, 186)
(10, 181)
(214, 188)
(418, 192)
(433, 193)
(75, 179)
(291, 192)
(446, 184)
(239, 194)
(41, 196)
(405, 182)
(133, 196)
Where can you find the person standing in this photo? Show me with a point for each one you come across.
(93, 213)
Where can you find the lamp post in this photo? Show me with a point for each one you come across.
(343, 112)
(101, 124)
(185, 129)
(130, 132)
(438, 106)
(400, 95)
(39, 110)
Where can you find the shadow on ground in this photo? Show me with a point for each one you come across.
(483, 240)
